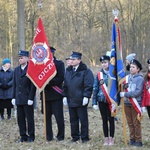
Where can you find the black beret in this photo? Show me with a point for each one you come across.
(148, 61)
(137, 63)
(104, 57)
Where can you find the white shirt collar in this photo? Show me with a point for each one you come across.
(76, 68)
(4, 68)
(22, 67)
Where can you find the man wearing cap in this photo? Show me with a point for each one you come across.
(23, 98)
(54, 103)
(128, 60)
(68, 61)
(6, 81)
(78, 87)
(133, 87)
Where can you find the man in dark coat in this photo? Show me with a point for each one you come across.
(78, 88)
(54, 103)
(23, 96)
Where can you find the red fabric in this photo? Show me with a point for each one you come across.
(146, 95)
(41, 68)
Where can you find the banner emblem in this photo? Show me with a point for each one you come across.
(40, 53)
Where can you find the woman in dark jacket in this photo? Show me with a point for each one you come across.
(6, 80)
(99, 101)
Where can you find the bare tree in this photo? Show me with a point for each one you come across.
(76, 25)
(21, 25)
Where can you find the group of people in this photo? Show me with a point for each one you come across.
(78, 84)
(78, 87)
(136, 94)
(17, 89)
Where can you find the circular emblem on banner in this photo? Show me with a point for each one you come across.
(40, 53)
(126, 86)
(101, 81)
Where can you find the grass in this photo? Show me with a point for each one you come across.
(9, 133)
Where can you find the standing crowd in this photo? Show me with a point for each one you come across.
(77, 85)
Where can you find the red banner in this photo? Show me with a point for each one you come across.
(41, 68)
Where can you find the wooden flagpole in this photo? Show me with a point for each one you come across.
(40, 7)
(115, 13)
(123, 119)
(44, 100)
(44, 111)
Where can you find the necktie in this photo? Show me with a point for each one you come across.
(21, 70)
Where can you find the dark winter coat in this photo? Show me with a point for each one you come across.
(98, 95)
(6, 81)
(78, 85)
(50, 93)
(23, 88)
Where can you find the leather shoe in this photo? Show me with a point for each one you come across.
(9, 117)
(49, 140)
(138, 144)
(74, 140)
(85, 141)
(21, 140)
(30, 140)
(132, 141)
(60, 140)
(2, 117)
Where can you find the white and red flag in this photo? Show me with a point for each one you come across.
(41, 68)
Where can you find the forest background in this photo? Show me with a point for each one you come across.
(77, 25)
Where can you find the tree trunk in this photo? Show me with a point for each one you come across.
(21, 26)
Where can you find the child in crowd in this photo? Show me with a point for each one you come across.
(99, 100)
(129, 57)
(133, 87)
(146, 91)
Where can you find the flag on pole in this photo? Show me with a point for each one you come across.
(41, 68)
(116, 69)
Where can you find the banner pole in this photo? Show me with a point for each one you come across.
(40, 7)
(44, 111)
(115, 13)
(123, 119)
